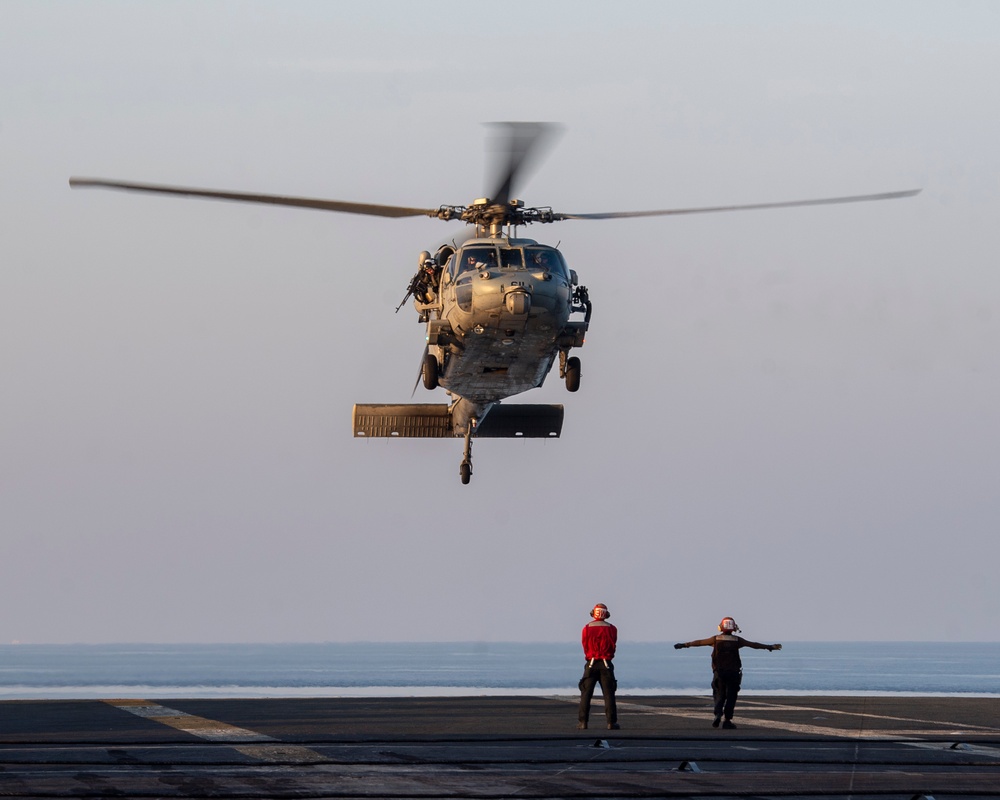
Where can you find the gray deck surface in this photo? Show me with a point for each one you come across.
(491, 747)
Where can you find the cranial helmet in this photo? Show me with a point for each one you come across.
(600, 611)
(728, 625)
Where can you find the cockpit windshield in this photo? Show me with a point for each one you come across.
(479, 257)
(476, 258)
(548, 259)
(512, 258)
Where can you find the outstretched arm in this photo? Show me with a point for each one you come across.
(759, 646)
(696, 643)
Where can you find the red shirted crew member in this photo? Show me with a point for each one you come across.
(599, 639)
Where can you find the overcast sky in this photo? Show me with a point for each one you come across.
(791, 417)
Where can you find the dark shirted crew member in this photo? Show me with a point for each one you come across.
(727, 668)
(600, 638)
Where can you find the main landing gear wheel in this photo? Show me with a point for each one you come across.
(430, 372)
(572, 373)
(465, 468)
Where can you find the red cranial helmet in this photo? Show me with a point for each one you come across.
(600, 611)
(728, 625)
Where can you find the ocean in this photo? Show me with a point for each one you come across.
(32, 671)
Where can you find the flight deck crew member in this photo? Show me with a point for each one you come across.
(600, 638)
(727, 669)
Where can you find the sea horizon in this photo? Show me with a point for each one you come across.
(427, 669)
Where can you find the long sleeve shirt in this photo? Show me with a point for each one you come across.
(599, 640)
(726, 650)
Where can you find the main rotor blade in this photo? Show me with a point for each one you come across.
(369, 209)
(517, 146)
(860, 198)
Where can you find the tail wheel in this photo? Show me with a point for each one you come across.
(572, 373)
(430, 371)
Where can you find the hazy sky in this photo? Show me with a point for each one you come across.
(791, 417)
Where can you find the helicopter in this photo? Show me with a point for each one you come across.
(499, 310)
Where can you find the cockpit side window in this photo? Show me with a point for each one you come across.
(474, 258)
(547, 258)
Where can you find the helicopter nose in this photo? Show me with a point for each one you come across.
(518, 302)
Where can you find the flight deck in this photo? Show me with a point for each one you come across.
(493, 747)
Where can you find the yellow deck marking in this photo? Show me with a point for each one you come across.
(215, 731)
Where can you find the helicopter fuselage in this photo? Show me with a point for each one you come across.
(499, 317)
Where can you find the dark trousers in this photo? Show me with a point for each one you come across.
(725, 687)
(592, 674)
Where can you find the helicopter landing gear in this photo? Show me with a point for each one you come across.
(430, 371)
(465, 468)
(572, 373)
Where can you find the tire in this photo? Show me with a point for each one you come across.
(430, 371)
(572, 373)
(466, 472)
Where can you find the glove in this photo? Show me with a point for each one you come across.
(774, 647)
(679, 646)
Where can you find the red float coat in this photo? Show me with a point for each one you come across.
(599, 640)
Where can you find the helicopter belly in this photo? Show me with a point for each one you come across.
(501, 354)
(485, 375)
